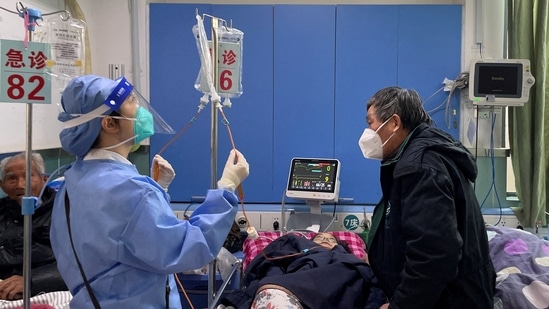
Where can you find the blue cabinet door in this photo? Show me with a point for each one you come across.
(251, 115)
(366, 53)
(174, 66)
(304, 66)
(379, 46)
(429, 51)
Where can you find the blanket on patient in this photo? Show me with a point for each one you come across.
(320, 278)
(51, 300)
(521, 261)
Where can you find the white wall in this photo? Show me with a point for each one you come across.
(13, 116)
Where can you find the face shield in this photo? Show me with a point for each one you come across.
(147, 120)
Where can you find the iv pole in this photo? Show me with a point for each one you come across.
(213, 160)
(29, 203)
(28, 211)
(27, 233)
(213, 85)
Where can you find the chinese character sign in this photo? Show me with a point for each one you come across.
(351, 222)
(229, 67)
(24, 76)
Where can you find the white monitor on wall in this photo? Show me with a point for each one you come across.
(313, 179)
(500, 82)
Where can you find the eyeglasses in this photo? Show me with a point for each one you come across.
(322, 238)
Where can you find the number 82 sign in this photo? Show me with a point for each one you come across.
(24, 75)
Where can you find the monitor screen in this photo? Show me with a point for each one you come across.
(313, 178)
(502, 80)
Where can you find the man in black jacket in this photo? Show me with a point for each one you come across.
(44, 274)
(428, 245)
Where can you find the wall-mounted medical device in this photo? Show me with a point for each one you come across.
(313, 179)
(503, 82)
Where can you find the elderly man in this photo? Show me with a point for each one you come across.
(44, 273)
(428, 245)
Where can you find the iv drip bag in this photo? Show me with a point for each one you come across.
(230, 47)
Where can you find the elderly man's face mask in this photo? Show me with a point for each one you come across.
(370, 143)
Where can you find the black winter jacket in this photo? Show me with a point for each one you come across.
(44, 273)
(428, 245)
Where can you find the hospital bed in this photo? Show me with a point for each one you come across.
(252, 248)
(520, 258)
(196, 285)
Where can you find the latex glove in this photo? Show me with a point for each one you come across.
(234, 173)
(165, 172)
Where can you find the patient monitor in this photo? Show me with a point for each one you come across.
(316, 181)
(313, 180)
(503, 82)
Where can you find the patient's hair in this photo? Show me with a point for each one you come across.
(406, 103)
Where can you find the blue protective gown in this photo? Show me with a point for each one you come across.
(127, 237)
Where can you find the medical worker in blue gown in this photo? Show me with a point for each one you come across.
(125, 235)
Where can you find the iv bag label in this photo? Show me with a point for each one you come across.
(66, 39)
(24, 73)
(228, 62)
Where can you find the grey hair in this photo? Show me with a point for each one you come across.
(36, 158)
(406, 103)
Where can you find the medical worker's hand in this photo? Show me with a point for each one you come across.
(236, 170)
(165, 172)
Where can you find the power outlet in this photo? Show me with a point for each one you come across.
(251, 219)
(242, 222)
(483, 114)
(504, 220)
(269, 221)
(276, 224)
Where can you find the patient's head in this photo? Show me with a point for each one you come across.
(329, 241)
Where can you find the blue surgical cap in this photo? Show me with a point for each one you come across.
(82, 95)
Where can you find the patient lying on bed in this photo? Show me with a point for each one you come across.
(296, 272)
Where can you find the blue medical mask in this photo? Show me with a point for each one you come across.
(144, 124)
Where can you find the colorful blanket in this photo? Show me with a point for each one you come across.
(521, 260)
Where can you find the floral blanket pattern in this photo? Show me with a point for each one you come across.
(521, 260)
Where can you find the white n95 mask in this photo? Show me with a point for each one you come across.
(370, 143)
